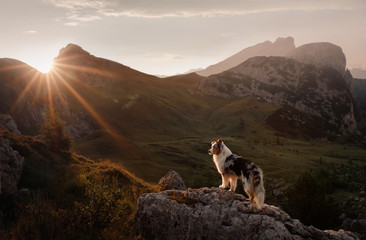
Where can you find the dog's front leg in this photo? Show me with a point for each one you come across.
(233, 184)
(225, 182)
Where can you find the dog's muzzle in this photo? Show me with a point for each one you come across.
(209, 151)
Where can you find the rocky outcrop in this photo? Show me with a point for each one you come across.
(321, 54)
(322, 92)
(11, 166)
(7, 123)
(171, 181)
(212, 213)
(281, 47)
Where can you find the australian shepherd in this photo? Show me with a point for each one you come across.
(231, 167)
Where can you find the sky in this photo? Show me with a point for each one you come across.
(166, 37)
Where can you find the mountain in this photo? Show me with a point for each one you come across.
(358, 73)
(313, 83)
(281, 47)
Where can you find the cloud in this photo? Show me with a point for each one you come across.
(90, 10)
(79, 11)
(162, 56)
(30, 32)
(71, 24)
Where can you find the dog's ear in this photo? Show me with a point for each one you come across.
(219, 141)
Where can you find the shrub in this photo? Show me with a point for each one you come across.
(306, 200)
(54, 133)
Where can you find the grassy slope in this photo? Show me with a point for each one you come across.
(70, 196)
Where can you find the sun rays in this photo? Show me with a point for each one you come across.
(54, 89)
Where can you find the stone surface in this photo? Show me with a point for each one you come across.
(212, 213)
(7, 123)
(171, 181)
(11, 167)
(322, 54)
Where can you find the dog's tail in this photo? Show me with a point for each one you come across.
(258, 188)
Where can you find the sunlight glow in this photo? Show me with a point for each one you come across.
(50, 89)
(59, 74)
(42, 65)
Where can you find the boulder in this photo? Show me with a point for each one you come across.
(212, 213)
(171, 181)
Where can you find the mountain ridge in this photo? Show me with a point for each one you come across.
(280, 47)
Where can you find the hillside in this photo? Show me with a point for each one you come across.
(67, 196)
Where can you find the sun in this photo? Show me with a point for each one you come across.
(39, 58)
(42, 65)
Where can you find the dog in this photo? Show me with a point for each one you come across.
(231, 167)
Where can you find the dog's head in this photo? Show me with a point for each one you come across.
(216, 147)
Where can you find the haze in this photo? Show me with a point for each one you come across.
(172, 36)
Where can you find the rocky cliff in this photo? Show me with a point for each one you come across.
(8, 123)
(321, 54)
(11, 163)
(212, 213)
(11, 166)
(322, 92)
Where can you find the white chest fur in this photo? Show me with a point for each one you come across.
(219, 160)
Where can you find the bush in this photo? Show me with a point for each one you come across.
(54, 133)
(306, 200)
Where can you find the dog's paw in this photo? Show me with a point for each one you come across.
(222, 186)
(231, 190)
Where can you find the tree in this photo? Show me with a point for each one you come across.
(307, 201)
(54, 133)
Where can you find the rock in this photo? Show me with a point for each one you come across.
(212, 213)
(322, 54)
(172, 181)
(11, 167)
(7, 123)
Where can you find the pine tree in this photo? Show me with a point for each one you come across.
(54, 133)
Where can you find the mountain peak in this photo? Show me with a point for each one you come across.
(288, 40)
(323, 54)
(71, 50)
(280, 47)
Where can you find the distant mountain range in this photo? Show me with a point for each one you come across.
(314, 53)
